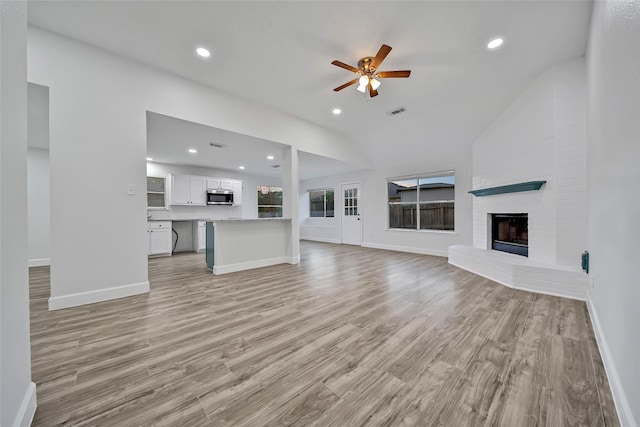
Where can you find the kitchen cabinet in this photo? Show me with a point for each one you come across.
(188, 190)
(199, 236)
(213, 183)
(219, 184)
(155, 192)
(237, 193)
(159, 234)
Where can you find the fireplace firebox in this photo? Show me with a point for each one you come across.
(509, 233)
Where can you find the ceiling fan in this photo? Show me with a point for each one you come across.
(369, 74)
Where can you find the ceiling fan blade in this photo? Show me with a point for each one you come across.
(372, 91)
(345, 66)
(339, 88)
(382, 53)
(392, 74)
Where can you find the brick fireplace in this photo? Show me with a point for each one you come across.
(533, 239)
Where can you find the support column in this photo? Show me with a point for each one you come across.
(291, 200)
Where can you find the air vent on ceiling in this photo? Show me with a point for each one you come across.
(216, 145)
(397, 111)
(275, 166)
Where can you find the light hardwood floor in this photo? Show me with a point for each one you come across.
(349, 337)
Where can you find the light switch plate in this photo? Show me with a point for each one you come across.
(131, 190)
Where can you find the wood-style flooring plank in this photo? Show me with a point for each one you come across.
(350, 336)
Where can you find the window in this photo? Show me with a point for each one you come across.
(422, 202)
(269, 202)
(155, 192)
(321, 203)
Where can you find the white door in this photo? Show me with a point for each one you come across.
(351, 211)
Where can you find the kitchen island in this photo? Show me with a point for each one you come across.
(242, 244)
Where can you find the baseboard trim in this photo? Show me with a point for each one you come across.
(321, 239)
(248, 265)
(27, 409)
(521, 288)
(90, 297)
(294, 260)
(410, 249)
(623, 408)
(39, 262)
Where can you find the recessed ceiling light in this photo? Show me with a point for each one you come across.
(494, 43)
(336, 111)
(270, 157)
(203, 52)
(240, 167)
(149, 159)
(193, 150)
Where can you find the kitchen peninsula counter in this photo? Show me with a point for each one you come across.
(237, 244)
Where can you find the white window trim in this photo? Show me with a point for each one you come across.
(325, 202)
(271, 206)
(417, 177)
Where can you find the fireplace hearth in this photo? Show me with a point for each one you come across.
(510, 233)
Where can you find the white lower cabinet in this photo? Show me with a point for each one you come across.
(199, 236)
(160, 241)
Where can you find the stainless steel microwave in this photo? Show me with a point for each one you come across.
(219, 197)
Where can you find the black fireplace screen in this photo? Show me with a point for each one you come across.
(509, 233)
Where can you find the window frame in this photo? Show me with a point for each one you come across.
(324, 190)
(271, 206)
(417, 203)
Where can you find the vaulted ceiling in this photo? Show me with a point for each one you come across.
(279, 54)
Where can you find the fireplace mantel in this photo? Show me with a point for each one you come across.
(511, 188)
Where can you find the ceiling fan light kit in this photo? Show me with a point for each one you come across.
(367, 69)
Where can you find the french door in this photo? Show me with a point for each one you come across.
(351, 214)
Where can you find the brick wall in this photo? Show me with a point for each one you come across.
(540, 136)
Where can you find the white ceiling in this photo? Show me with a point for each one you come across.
(280, 53)
(169, 139)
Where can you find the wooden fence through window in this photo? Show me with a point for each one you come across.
(433, 215)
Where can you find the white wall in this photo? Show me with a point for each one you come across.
(38, 207)
(248, 208)
(374, 202)
(539, 136)
(98, 104)
(326, 229)
(613, 159)
(376, 233)
(17, 392)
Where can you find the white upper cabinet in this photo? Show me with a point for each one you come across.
(213, 183)
(237, 193)
(188, 190)
(198, 190)
(191, 190)
(180, 189)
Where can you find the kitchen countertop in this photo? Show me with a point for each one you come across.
(219, 219)
(248, 219)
